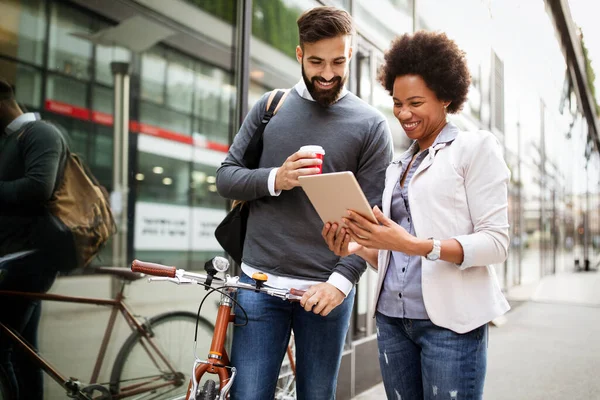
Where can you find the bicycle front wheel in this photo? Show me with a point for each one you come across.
(139, 368)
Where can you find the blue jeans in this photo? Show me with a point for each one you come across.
(259, 347)
(420, 360)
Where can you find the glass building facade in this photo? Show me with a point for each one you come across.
(188, 97)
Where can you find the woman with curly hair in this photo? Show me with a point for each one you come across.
(444, 223)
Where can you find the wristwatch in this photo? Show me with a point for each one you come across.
(435, 252)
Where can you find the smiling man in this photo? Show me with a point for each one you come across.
(283, 238)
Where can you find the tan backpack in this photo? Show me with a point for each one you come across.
(82, 205)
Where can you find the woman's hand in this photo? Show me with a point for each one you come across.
(385, 235)
(340, 242)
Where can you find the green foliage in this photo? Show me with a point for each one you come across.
(225, 10)
(273, 21)
(591, 75)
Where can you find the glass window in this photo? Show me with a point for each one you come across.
(162, 117)
(104, 56)
(213, 97)
(68, 53)
(103, 148)
(162, 179)
(76, 132)
(180, 83)
(23, 30)
(274, 22)
(225, 10)
(216, 131)
(203, 187)
(208, 83)
(154, 68)
(383, 102)
(102, 160)
(382, 20)
(103, 99)
(27, 82)
(66, 90)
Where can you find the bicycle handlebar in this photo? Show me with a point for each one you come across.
(181, 276)
(153, 269)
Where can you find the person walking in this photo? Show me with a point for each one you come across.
(443, 225)
(283, 235)
(32, 243)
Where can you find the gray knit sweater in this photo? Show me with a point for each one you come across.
(284, 232)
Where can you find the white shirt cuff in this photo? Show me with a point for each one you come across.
(271, 182)
(339, 281)
(463, 240)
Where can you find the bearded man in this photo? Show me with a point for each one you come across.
(283, 238)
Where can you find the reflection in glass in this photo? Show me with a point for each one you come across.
(69, 54)
(180, 83)
(103, 99)
(153, 187)
(27, 82)
(154, 67)
(66, 90)
(106, 55)
(103, 143)
(225, 10)
(382, 20)
(23, 29)
(213, 99)
(203, 179)
(162, 117)
(274, 22)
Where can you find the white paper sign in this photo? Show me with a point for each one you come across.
(173, 228)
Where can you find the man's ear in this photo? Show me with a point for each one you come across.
(350, 53)
(299, 54)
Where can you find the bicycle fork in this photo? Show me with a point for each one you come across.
(218, 361)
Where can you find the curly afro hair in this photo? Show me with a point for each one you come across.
(434, 57)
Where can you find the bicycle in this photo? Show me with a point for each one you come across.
(217, 361)
(150, 363)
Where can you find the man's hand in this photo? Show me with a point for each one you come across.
(298, 164)
(339, 242)
(322, 298)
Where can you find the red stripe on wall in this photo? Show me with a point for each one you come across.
(102, 118)
(134, 126)
(67, 109)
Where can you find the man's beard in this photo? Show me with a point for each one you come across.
(324, 97)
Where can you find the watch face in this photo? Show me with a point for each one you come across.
(435, 252)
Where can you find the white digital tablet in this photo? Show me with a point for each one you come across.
(333, 194)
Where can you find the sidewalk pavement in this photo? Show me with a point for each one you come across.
(549, 346)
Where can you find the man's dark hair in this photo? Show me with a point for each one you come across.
(324, 23)
(435, 58)
(6, 91)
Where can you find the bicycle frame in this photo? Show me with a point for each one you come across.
(117, 304)
(218, 360)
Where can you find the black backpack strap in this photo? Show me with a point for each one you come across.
(255, 147)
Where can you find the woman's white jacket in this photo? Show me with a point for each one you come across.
(459, 191)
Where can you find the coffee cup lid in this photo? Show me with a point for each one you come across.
(313, 148)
